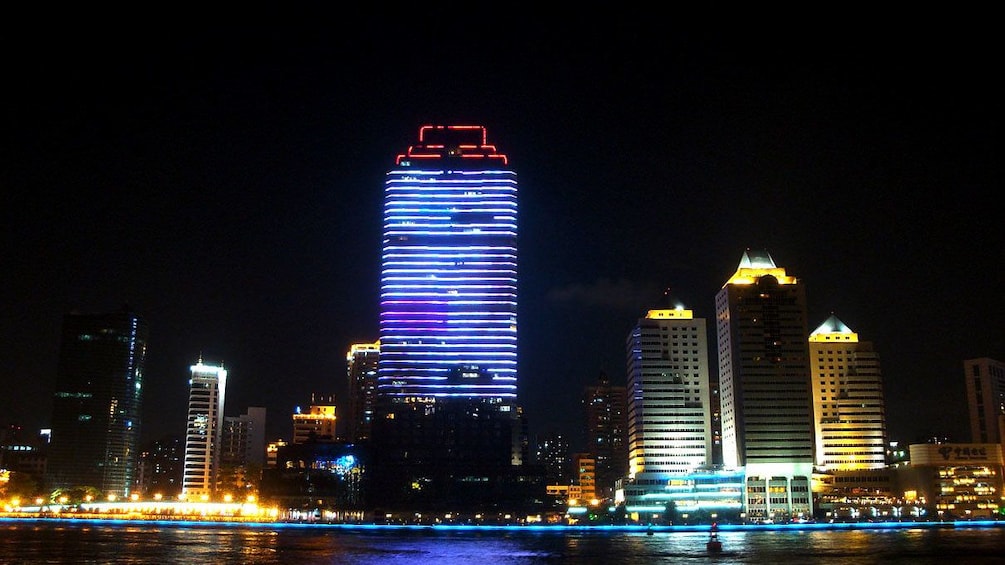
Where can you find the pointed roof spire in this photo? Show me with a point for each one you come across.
(756, 263)
(833, 325)
(757, 259)
(833, 329)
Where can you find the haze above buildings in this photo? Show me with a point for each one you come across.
(227, 184)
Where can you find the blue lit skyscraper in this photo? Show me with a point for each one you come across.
(449, 271)
(447, 427)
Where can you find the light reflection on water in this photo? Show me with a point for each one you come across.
(165, 545)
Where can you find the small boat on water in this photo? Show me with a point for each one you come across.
(713, 545)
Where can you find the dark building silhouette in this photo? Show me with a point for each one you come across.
(606, 433)
(96, 405)
(984, 380)
(159, 467)
(320, 478)
(553, 454)
(242, 452)
(25, 456)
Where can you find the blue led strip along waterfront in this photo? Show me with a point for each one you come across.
(637, 529)
(449, 283)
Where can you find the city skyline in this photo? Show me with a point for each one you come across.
(227, 186)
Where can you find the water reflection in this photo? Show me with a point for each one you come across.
(169, 544)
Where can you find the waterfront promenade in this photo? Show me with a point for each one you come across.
(237, 521)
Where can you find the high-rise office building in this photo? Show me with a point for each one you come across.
(243, 438)
(848, 408)
(242, 453)
(764, 387)
(361, 367)
(606, 432)
(96, 406)
(318, 422)
(448, 281)
(447, 417)
(671, 433)
(207, 391)
(669, 411)
(985, 386)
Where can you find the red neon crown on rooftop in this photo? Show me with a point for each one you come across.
(440, 142)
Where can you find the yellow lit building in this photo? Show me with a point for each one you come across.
(585, 468)
(318, 422)
(848, 406)
(955, 481)
(272, 452)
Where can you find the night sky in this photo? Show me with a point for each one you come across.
(227, 184)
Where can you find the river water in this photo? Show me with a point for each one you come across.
(69, 541)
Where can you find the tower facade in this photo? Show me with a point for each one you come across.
(848, 408)
(985, 384)
(361, 367)
(447, 418)
(764, 386)
(203, 437)
(448, 289)
(244, 438)
(669, 410)
(606, 432)
(96, 406)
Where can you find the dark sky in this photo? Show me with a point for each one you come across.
(227, 182)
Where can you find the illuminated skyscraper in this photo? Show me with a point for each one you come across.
(764, 384)
(361, 367)
(669, 411)
(848, 408)
(670, 431)
(96, 406)
(448, 280)
(447, 417)
(203, 437)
